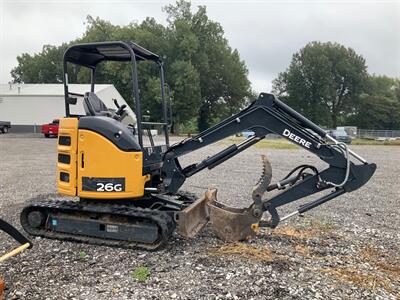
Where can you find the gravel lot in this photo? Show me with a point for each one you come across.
(346, 249)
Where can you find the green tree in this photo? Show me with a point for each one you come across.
(224, 86)
(379, 106)
(43, 67)
(324, 82)
(208, 80)
(186, 91)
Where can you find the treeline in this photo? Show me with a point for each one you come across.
(207, 79)
(326, 82)
(329, 83)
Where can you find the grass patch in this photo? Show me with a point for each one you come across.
(82, 254)
(371, 269)
(267, 144)
(375, 142)
(303, 250)
(296, 233)
(383, 261)
(318, 225)
(354, 276)
(242, 250)
(141, 274)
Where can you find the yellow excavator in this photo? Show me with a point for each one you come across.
(126, 190)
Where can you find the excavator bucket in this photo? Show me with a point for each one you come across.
(229, 223)
(232, 224)
(193, 218)
(235, 224)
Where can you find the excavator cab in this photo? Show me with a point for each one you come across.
(100, 138)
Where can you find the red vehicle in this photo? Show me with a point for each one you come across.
(51, 129)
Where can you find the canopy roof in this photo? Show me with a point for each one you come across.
(93, 53)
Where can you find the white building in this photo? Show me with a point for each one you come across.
(28, 106)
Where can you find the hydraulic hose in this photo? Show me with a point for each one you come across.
(346, 153)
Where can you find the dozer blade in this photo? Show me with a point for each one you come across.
(193, 218)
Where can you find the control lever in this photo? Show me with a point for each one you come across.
(120, 109)
(115, 102)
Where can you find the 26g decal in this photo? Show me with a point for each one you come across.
(103, 185)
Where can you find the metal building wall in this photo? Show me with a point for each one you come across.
(28, 112)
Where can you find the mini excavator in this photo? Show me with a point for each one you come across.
(128, 190)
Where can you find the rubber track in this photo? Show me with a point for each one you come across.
(164, 222)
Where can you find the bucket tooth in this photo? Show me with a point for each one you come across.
(261, 186)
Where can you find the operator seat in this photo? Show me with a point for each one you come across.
(94, 106)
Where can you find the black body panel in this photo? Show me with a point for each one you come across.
(111, 129)
(142, 233)
(97, 184)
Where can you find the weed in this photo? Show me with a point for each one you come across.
(141, 274)
(82, 254)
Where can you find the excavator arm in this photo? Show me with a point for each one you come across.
(264, 116)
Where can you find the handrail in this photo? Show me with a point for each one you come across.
(154, 123)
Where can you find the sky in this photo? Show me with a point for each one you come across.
(266, 33)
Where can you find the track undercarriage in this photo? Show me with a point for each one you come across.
(123, 224)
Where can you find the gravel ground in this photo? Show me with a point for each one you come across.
(345, 249)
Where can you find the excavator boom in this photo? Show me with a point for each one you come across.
(264, 116)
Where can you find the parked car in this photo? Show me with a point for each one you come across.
(247, 134)
(4, 126)
(341, 136)
(51, 129)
